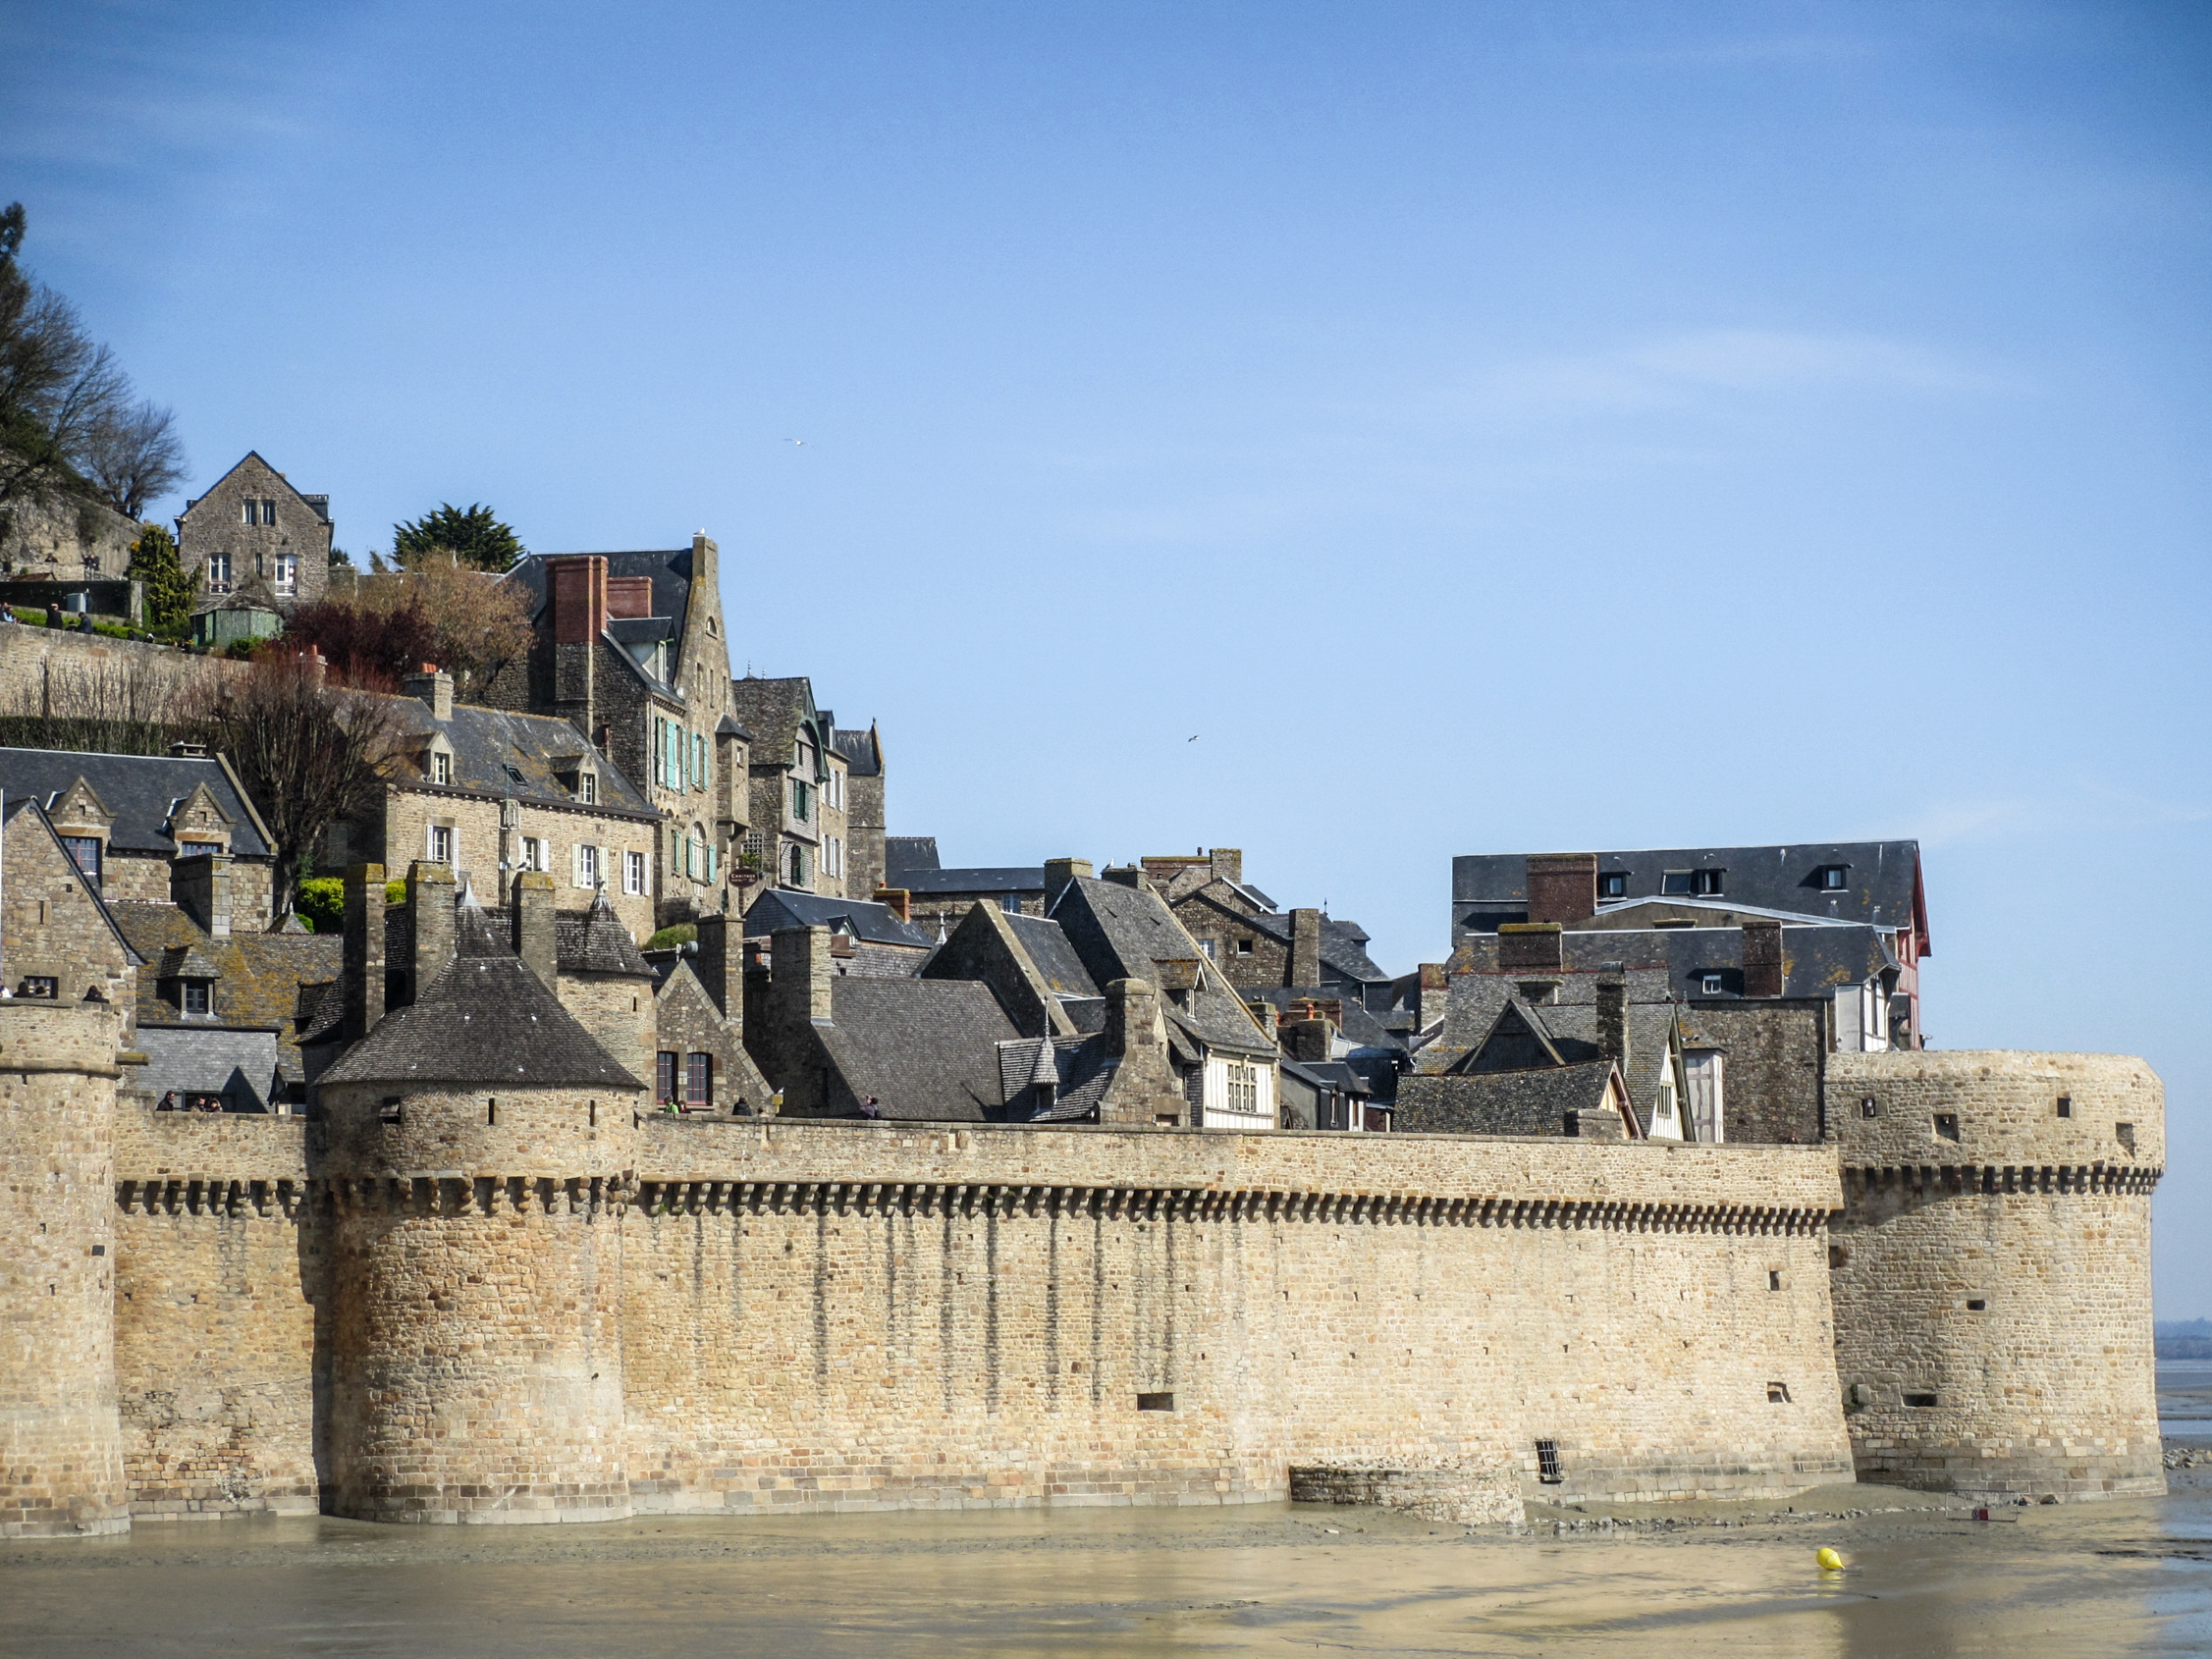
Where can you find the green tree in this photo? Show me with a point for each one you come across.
(169, 591)
(475, 536)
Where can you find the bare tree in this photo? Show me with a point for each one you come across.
(131, 706)
(308, 756)
(135, 456)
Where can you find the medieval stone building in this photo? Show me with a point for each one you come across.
(253, 536)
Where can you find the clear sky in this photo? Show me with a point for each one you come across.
(1483, 427)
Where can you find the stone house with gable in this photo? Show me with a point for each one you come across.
(494, 793)
(253, 535)
(800, 831)
(864, 853)
(125, 818)
(870, 939)
(631, 650)
(62, 945)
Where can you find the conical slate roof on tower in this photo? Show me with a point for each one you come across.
(485, 1019)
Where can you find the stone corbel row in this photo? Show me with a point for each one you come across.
(1935, 1180)
(689, 1197)
(453, 1195)
(212, 1196)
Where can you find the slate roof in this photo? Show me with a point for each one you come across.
(927, 1050)
(142, 790)
(595, 941)
(498, 752)
(909, 853)
(239, 1065)
(1816, 958)
(1570, 1027)
(1023, 878)
(1343, 943)
(1884, 880)
(869, 922)
(1127, 933)
(1519, 1103)
(486, 1020)
(863, 752)
(272, 980)
(1053, 957)
(1081, 1068)
(1361, 1027)
(772, 710)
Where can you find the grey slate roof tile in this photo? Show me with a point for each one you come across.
(141, 791)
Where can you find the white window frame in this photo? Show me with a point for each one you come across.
(285, 576)
(587, 787)
(441, 769)
(438, 843)
(218, 572)
(585, 865)
(633, 872)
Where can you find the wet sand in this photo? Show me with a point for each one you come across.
(2087, 1579)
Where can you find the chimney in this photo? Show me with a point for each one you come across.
(530, 924)
(430, 922)
(363, 948)
(1268, 1016)
(705, 556)
(578, 586)
(1133, 1026)
(1127, 876)
(1310, 1041)
(1429, 997)
(1612, 1020)
(1058, 871)
(1228, 864)
(900, 901)
(1305, 948)
(800, 973)
(201, 885)
(1530, 946)
(1563, 886)
(1762, 958)
(435, 687)
(712, 964)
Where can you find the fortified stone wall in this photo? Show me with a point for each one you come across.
(1991, 1270)
(833, 1317)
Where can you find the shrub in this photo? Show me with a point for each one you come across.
(322, 904)
(667, 938)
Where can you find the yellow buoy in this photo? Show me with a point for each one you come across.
(1830, 1561)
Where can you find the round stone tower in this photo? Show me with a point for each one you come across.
(61, 1442)
(1991, 1270)
(479, 1156)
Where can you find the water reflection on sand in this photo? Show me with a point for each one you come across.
(2090, 1579)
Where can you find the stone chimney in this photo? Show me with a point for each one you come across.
(201, 885)
(1563, 886)
(800, 973)
(530, 925)
(1142, 1091)
(1762, 958)
(1612, 1020)
(1531, 947)
(1431, 995)
(364, 949)
(1305, 948)
(1227, 864)
(430, 923)
(900, 902)
(1127, 876)
(1058, 871)
(1310, 1041)
(436, 689)
(705, 560)
(578, 586)
(1268, 1016)
(712, 964)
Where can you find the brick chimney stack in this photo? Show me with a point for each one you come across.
(1531, 947)
(1305, 948)
(899, 900)
(199, 885)
(430, 923)
(578, 586)
(364, 949)
(1563, 886)
(1762, 958)
(532, 928)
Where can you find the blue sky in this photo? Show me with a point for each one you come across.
(1484, 427)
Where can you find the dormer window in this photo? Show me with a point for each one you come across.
(587, 787)
(1834, 877)
(441, 767)
(195, 997)
(85, 852)
(1674, 884)
(1612, 883)
(1707, 883)
(1710, 985)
